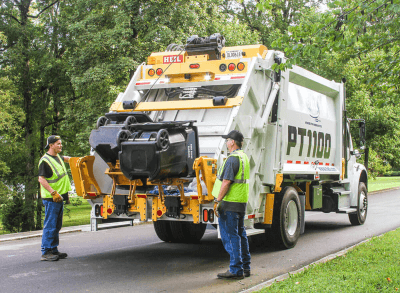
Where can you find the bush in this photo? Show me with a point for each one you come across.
(392, 173)
(14, 213)
(376, 165)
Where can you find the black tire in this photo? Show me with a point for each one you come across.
(285, 230)
(162, 139)
(163, 231)
(129, 121)
(360, 216)
(122, 136)
(185, 232)
(102, 121)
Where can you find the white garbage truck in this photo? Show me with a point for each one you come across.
(157, 151)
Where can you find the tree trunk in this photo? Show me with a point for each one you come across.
(26, 84)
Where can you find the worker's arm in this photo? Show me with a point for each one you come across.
(224, 189)
(45, 184)
(66, 159)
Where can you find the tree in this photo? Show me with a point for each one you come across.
(68, 60)
(358, 40)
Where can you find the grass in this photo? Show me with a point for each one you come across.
(370, 267)
(77, 215)
(382, 183)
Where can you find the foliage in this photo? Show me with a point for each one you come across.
(14, 212)
(270, 19)
(377, 166)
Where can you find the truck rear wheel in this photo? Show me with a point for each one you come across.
(187, 232)
(163, 230)
(360, 216)
(285, 230)
(179, 232)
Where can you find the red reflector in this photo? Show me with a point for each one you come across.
(251, 216)
(326, 164)
(141, 195)
(289, 162)
(151, 72)
(195, 197)
(159, 213)
(306, 162)
(321, 163)
(298, 162)
(141, 83)
(237, 77)
(205, 215)
(101, 210)
(240, 66)
(217, 78)
(109, 211)
(159, 71)
(231, 67)
(91, 194)
(194, 66)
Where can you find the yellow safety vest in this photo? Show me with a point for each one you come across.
(239, 189)
(59, 181)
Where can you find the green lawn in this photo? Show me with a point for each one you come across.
(77, 215)
(370, 267)
(383, 183)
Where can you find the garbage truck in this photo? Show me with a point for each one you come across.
(156, 153)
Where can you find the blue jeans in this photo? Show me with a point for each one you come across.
(234, 239)
(52, 225)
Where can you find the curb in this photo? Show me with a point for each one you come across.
(73, 229)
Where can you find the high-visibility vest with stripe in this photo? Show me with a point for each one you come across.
(239, 188)
(59, 181)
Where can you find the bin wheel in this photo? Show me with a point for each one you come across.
(162, 139)
(123, 135)
(128, 121)
(102, 121)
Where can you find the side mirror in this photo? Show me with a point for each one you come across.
(356, 153)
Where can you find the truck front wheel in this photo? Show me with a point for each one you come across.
(285, 230)
(360, 216)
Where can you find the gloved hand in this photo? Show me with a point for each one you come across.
(216, 208)
(56, 196)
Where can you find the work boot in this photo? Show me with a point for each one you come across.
(61, 255)
(246, 273)
(50, 256)
(229, 275)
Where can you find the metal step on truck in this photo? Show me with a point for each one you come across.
(157, 151)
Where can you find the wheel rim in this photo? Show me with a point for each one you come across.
(291, 218)
(363, 204)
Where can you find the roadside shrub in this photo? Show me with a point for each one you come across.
(14, 213)
(376, 165)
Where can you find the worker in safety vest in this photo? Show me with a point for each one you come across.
(231, 192)
(54, 187)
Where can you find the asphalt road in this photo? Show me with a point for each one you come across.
(133, 259)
